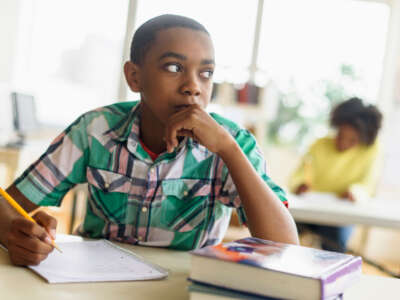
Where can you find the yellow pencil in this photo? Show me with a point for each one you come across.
(23, 213)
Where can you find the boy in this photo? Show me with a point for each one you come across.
(161, 172)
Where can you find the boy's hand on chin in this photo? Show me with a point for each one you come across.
(196, 123)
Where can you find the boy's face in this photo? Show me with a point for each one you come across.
(176, 72)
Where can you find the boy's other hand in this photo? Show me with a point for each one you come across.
(193, 121)
(30, 243)
(303, 188)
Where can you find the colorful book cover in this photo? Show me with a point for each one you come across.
(330, 268)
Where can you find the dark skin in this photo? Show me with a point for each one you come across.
(27, 243)
(346, 138)
(175, 84)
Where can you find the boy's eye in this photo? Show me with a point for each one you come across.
(174, 68)
(207, 74)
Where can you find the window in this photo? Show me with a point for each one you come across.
(70, 55)
(316, 53)
(231, 25)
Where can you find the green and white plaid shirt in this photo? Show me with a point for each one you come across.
(181, 200)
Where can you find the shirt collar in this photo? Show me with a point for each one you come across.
(124, 128)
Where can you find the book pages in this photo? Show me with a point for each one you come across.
(90, 261)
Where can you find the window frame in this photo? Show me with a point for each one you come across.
(389, 74)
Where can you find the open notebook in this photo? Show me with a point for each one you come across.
(90, 261)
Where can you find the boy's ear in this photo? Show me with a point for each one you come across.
(132, 76)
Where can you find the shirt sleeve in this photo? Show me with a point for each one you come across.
(61, 167)
(228, 193)
(366, 186)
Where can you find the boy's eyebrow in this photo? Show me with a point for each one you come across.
(183, 57)
(208, 62)
(172, 54)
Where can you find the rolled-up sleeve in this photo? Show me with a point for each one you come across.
(61, 167)
(228, 193)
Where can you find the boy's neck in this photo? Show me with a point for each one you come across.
(152, 134)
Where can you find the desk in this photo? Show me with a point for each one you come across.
(328, 210)
(22, 283)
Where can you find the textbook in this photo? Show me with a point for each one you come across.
(207, 292)
(90, 261)
(267, 268)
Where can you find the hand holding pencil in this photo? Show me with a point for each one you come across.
(29, 240)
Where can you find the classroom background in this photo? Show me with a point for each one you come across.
(281, 66)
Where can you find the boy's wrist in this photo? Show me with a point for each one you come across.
(229, 147)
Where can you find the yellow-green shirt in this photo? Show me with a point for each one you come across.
(331, 171)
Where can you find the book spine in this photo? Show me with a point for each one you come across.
(336, 282)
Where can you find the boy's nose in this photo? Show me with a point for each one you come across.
(191, 87)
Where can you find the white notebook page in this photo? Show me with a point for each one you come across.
(90, 261)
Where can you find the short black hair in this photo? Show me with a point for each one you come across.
(145, 35)
(366, 119)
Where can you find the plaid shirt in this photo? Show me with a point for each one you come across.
(181, 200)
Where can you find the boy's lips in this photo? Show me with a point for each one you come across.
(180, 107)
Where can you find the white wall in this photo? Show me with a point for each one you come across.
(6, 131)
(8, 32)
(9, 12)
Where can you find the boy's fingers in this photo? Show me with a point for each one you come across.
(185, 132)
(178, 128)
(48, 222)
(23, 257)
(181, 124)
(30, 229)
(188, 133)
(32, 244)
(171, 138)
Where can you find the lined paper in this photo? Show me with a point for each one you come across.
(91, 261)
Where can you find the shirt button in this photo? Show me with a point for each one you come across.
(106, 185)
(144, 209)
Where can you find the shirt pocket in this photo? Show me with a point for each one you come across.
(109, 193)
(184, 203)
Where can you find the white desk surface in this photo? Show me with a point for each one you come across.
(324, 209)
(22, 283)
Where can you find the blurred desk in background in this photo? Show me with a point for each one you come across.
(326, 209)
(17, 159)
(9, 158)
